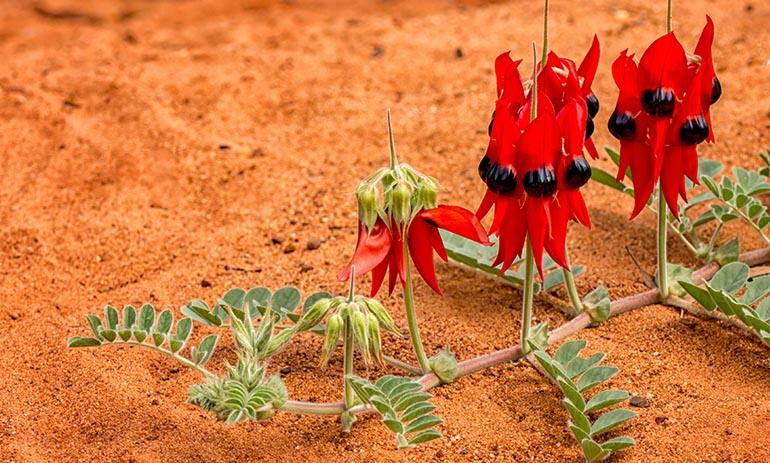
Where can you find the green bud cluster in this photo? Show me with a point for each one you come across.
(395, 195)
(365, 317)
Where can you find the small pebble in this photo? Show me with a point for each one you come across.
(277, 239)
(729, 432)
(289, 248)
(285, 370)
(305, 267)
(313, 245)
(378, 51)
(640, 402)
(459, 53)
(205, 283)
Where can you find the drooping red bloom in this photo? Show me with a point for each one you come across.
(534, 168)
(381, 249)
(662, 113)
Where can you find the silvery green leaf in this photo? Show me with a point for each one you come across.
(79, 341)
(96, 325)
(146, 317)
(728, 252)
(165, 320)
(580, 419)
(579, 365)
(111, 318)
(425, 436)
(285, 300)
(200, 312)
(129, 317)
(422, 423)
(701, 295)
(618, 443)
(595, 376)
(605, 399)
(570, 391)
(569, 350)
(611, 420)
(731, 277)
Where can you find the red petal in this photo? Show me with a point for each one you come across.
(664, 64)
(421, 250)
(672, 177)
(641, 163)
(572, 126)
(508, 78)
(455, 219)
(591, 148)
(587, 69)
(486, 203)
(371, 250)
(624, 73)
(537, 227)
(539, 145)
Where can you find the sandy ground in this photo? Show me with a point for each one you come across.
(155, 151)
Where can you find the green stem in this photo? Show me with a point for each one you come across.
(662, 260)
(348, 362)
(411, 369)
(393, 159)
(569, 282)
(411, 316)
(529, 291)
(178, 358)
(713, 240)
(545, 35)
(669, 18)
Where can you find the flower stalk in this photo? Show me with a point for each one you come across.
(529, 291)
(662, 259)
(411, 317)
(569, 282)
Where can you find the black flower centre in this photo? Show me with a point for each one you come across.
(659, 102)
(540, 183)
(622, 125)
(716, 89)
(492, 121)
(500, 179)
(694, 130)
(577, 174)
(593, 105)
(589, 127)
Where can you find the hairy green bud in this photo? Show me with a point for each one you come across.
(314, 315)
(277, 343)
(375, 343)
(399, 202)
(333, 328)
(368, 205)
(360, 325)
(383, 317)
(426, 193)
(444, 365)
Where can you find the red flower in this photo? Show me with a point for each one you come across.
(661, 115)
(382, 247)
(533, 170)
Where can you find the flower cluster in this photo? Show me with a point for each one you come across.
(406, 222)
(534, 166)
(662, 113)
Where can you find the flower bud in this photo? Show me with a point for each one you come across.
(444, 365)
(398, 202)
(375, 344)
(314, 315)
(333, 328)
(427, 193)
(277, 343)
(383, 317)
(360, 325)
(368, 205)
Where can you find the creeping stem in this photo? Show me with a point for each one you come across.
(411, 316)
(577, 324)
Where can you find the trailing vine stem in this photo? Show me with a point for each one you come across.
(577, 324)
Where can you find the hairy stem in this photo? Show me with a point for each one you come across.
(411, 369)
(569, 282)
(545, 35)
(347, 362)
(529, 290)
(411, 316)
(582, 321)
(669, 17)
(393, 159)
(662, 260)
